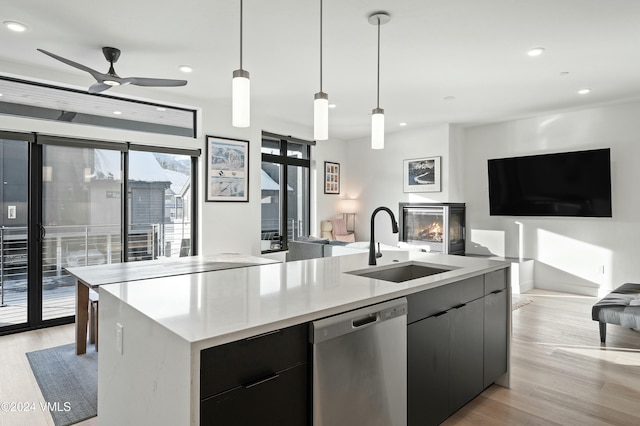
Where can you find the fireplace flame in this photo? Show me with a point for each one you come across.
(433, 232)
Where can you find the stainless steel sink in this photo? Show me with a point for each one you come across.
(400, 273)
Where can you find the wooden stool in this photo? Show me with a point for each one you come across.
(93, 318)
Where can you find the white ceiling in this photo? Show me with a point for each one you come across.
(474, 50)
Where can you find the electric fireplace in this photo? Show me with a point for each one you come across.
(439, 227)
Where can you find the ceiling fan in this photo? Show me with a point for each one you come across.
(111, 79)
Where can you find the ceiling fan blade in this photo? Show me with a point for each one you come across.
(98, 87)
(158, 82)
(97, 75)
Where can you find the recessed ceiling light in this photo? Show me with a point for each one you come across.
(185, 68)
(161, 109)
(117, 112)
(403, 124)
(584, 91)
(536, 51)
(449, 98)
(15, 26)
(332, 106)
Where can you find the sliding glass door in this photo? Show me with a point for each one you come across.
(14, 262)
(70, 203)
(81, 219)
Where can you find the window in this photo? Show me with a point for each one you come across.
(159, 185)
(285, 184)
(43, 101)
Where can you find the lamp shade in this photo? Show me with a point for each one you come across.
(241, 99)
(348, 206)
(377, 129)
(321, 117)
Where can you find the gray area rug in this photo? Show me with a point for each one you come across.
(68, 382)
(520, 303)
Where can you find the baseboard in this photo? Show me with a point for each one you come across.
(526, 286)
(568, 288)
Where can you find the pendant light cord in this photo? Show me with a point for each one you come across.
(320, 45)
(378, 89)
(240, 34)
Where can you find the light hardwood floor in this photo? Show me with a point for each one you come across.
(560, 372)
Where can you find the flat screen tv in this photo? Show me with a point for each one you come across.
(566, 184)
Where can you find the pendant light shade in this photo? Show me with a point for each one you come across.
(321, 117)
(377, 128)
(377, 115)
(241, 99)
(321, 102)
(241, 91)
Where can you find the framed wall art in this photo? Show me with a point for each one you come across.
(331, 178)
(422, 175)
(227, 171)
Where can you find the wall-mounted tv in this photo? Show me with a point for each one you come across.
(565, 184)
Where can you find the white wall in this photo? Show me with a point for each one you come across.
(581, 255)
(375, 176)
(230, 226)
(328, 205)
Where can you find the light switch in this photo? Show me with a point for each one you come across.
(11, 212)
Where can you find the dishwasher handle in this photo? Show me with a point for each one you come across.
(361, 322)
(351, 322)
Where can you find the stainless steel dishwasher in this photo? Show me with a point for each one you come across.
(360, 366)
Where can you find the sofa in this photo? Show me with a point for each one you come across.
(311, 248)
(336, 229)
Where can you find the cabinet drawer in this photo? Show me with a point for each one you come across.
(283, 401)
(238, 363)
(443, 298)
(495, 281)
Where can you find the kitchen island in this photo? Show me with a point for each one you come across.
(159, 361)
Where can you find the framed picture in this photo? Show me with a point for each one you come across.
(422, 175)
(331, 178)
(227, 176)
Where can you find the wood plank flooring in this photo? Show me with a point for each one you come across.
(561, 375)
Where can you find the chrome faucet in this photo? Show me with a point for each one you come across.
(394, 226)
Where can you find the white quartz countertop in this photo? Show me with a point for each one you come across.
(212, 308)
(97, 275)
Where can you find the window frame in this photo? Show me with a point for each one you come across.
(284, 162)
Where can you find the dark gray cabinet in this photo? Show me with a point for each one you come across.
(466, 359)
(496, 331)
(456, 342)
(428, 365)
(259, 380)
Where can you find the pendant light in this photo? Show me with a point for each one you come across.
(321, 102)
(241, 91)
(377, 115)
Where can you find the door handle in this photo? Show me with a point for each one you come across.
(42, 232)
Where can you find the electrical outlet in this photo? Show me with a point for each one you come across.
(119, 333)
